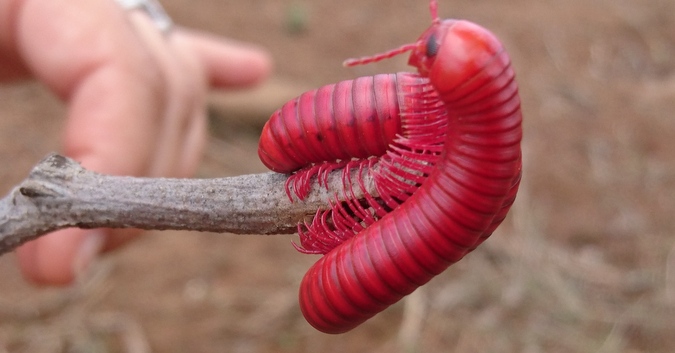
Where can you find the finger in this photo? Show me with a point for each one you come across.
(88, 54)
(228, 63)
(182, 133)
(115, 101)
(195, 141)
(57, 257)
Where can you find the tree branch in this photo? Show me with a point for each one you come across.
(59, 193)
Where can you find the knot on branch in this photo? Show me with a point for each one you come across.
(36, 190)
(55, 166)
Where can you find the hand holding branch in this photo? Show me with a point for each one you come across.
(135, 98)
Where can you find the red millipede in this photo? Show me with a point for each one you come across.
(442, 148)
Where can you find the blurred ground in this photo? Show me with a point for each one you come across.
(585, 262)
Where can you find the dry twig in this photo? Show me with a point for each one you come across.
(59, 193)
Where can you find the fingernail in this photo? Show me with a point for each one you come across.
(89, 249)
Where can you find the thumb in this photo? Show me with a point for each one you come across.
(57, 258)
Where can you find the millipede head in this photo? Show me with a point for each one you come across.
(433, 9)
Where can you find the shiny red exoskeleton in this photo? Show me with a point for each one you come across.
(443, 149)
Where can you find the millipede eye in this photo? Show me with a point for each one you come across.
(432, 46)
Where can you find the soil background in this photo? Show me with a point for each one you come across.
(584, 263)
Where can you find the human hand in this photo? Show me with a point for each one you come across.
(135, 99)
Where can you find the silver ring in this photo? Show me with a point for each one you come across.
(153, 9)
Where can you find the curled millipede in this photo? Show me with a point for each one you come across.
(443, 149)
